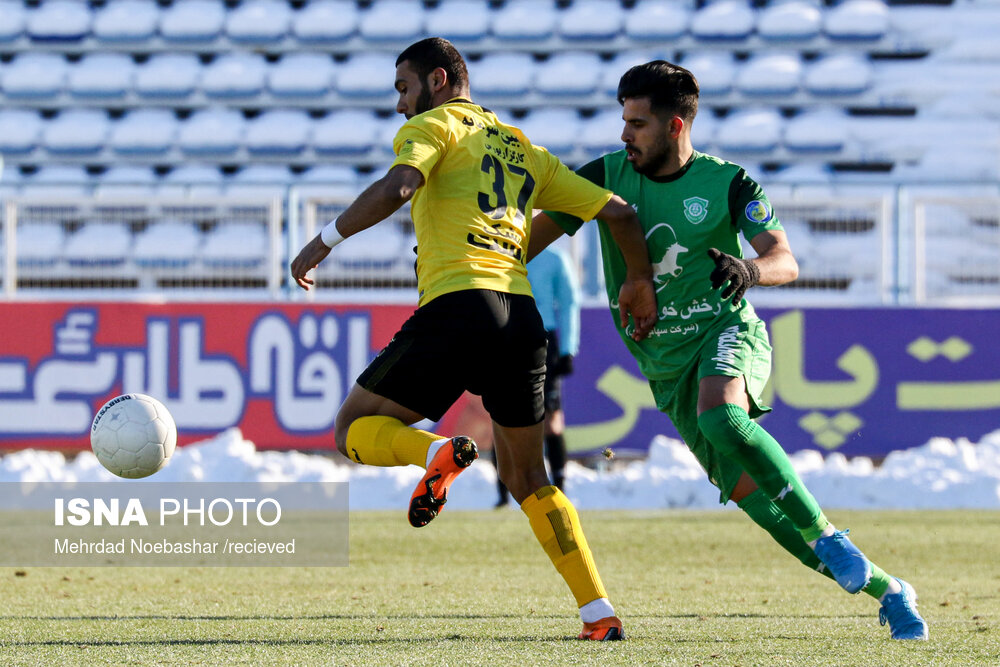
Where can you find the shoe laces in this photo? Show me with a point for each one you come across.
(896, 613)
(839, 537)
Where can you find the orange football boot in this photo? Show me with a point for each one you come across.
(432, 491)
(607, 629)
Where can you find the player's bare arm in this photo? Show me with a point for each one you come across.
(544, 231)
(637, 295)
(774, 265)
(380, 200)
(774, 260)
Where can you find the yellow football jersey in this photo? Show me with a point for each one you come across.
(482, 178)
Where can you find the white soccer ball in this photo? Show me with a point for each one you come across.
(133, 435)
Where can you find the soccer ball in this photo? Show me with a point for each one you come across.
(133, 435)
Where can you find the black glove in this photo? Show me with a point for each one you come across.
(741, 274)
(564, 365)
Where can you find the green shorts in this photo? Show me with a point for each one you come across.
(734, 349)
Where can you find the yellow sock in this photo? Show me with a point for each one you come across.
(386, 441)
(557, 526)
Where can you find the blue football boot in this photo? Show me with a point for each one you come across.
(899, 610)
(844, 560)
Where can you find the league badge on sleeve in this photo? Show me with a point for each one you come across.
(759, 211)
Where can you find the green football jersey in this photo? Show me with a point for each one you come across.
(704, 205)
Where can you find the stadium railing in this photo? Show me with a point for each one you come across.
(892, 247)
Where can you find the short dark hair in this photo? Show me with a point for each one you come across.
(428, 54)
(671, 89)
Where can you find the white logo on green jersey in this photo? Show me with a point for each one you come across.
(695, 209)
(663, 238)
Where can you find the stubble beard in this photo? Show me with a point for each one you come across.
(658, 156)
(422, 104)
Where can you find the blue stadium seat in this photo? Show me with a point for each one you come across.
(770, 73)
(378, 248)
(325, 21)
(332, 174)
(11, 177)
(704, 129)
(59, 21)
(193, 21)
(658, 20)
(98, 245)
(392, 20)
(192, 180)
(238, 74)
(857, 20)
(504, 75)
(460, 20)
(820, 130)
(623, 61)
(76, 132)
(263, 174)
(126, 21)
(302, 75)
(279, 132)
(235, 245)
(20, 131)
(57, 181)
(793, 20)
(556, 129)
(750, 131)
(715, 71)
(169, 244)
(144, 132)
(367, 75)
(13, 18)
(592, 19)
(839, 74)
(40, 244)
(259, 22)
(346, 132)
(729, 20)
(168, 75)
(388, 128)
(105, 76)
(602, 132)
(34, 76)
(126, 182)
(259, 180)
(328, 180)
(571, 73)
(215, 132)
(525, 20)
(885, 138)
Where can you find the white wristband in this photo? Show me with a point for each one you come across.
(330, 235)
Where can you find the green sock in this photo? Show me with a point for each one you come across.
(766, 514)
(729, 428)
(879, 582)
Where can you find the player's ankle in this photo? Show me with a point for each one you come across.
(894, 588)
(596, 610)
(433, 449)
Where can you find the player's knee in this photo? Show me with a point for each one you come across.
(726, 425)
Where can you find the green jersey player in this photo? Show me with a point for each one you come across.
(708, 357)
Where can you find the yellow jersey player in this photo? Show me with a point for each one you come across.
(474, 181)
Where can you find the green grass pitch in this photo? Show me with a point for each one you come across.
(694, 588)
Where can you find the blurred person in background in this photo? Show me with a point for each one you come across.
(474, 182)
(708, 357)
(557, 296)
